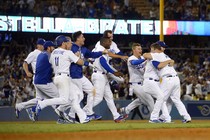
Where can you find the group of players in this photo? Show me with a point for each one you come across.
(65, 60)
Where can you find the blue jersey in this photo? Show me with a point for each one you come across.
(75, 69)
(43, 72)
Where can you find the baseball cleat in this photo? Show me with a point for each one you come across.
(60, 114)
(31, 114)
(161, 120)
(87, 120)
(62, 121)
(154, 121)
(94, 117)
(123, 112)
(119, 119)
(165, 121)
(71, 120)
(186, 121)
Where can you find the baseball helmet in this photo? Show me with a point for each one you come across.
(40, 41)
(48, 44)
(60, 39)
(162, 44)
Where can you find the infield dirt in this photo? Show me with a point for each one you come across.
(145, 134)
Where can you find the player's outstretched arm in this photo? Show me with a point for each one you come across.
(117, 56)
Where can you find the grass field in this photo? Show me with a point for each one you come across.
(40, 126)
(105, 130)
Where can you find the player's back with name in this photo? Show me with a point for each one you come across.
(58, 51)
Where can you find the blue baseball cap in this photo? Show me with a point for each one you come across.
(162, 44)
(40, 41)
(48, 44)
(60, 39)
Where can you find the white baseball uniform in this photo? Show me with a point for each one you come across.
(31, 59)
(114, 49)
(136, 73)
(170, 85)
(101, 84)
(151, 85)
(61, 60)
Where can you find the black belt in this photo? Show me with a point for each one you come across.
(171, 76)
(99, 72)
(63, 74)
(131, 83)
(154, 79)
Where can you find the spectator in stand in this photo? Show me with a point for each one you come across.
(53, 9)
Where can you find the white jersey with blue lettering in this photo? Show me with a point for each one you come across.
(136, 72)
(167, 70)
(61, 60)
(31, 59)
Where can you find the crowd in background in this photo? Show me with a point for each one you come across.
(70, 8)
(193, 69)
(182, 9)
(121, 9)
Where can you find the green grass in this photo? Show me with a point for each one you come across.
(42, 127)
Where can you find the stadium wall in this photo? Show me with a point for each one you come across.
(197, 110)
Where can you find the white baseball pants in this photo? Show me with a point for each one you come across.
(153, 88)
(101, 84)
(171, 89)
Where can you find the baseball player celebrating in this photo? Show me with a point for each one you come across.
(76, 73)
(61, 58)
(45, 88)
(114, 50)
(100, 80)
(31, 59)
(151, 79)
(136, 65)
(170, 84)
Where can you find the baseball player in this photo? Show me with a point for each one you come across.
(100, 80)
(151, 86)
(77, 77)
(31, 59)
(170, 84)
(45, 88)
(136, 65)
(61, 59)
(114, 50)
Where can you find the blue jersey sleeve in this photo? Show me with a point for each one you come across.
(155, 64)
(136, 62)
(89, 54)
(105, 65)
(74, 48)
